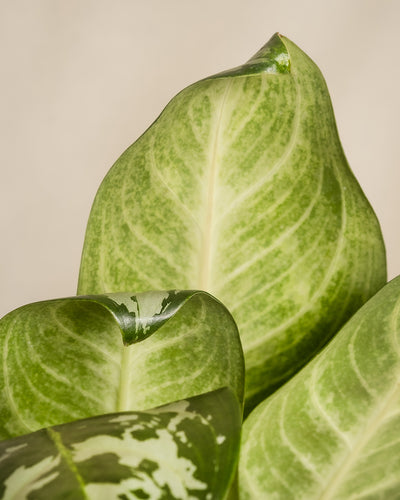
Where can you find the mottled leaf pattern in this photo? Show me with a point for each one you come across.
(184, 450)
(333, 431)
(241, 188)
(83, 356)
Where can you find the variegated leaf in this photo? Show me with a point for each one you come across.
(241, 188)
(333, 431)
(185, 450)
(83, 356)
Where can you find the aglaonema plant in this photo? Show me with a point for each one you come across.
(241, 189)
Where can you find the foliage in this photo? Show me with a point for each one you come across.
(187, 449)
(240, 188)
(333, 430)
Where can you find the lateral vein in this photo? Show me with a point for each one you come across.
(373, 424)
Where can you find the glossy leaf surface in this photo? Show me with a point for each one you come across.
(333, 431)
(185, 450)
(73, 358)
(241, 188)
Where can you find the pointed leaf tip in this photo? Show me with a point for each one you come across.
(272, 58)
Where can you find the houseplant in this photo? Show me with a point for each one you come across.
(240, 188)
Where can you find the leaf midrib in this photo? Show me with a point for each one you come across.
(66, 455)
(208, 242)
(123, 398)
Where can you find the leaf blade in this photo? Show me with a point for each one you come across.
(73, 358)
(241, 188)
(337, 419)
(186, 449)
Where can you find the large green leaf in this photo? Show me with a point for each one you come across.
(83, 356)
(333, 431)
(241, 188)
(185, 450)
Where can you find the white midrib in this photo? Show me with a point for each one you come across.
(205, 264)
(337, 479)
(123, 401)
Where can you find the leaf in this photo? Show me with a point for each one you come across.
(241, 188)
(185, 450)
(73, 358)
(333, 431)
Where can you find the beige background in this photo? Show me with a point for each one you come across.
(82, 79)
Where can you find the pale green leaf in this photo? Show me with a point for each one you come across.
(184, 450)
(333, 431)
(83, 356)
(241, 188)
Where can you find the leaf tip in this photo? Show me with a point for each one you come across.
(273, 57)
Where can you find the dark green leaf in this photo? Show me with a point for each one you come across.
(185, 450)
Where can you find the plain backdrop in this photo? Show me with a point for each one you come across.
(82, 79)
